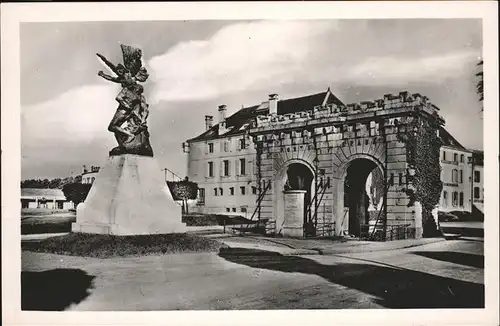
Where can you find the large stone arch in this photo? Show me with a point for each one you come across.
(339, 174)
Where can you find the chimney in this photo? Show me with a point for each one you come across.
(222, 119)
(273, 104)
(209, 122)
(85, 169)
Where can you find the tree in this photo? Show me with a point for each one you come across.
(183, 190)
(55, 183)
(480, 85)
(76, 192)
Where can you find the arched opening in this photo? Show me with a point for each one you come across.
(300, 177)
(363, 195)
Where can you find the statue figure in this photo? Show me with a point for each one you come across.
(129, 122)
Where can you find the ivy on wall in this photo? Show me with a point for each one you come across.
(423, 145)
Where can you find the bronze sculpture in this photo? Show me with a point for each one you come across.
(129, 122)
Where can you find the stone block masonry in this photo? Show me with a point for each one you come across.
(327, 140)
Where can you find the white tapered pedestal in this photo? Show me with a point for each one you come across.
(129, 197)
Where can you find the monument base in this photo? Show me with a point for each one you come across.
(293, 225)
(129, 197)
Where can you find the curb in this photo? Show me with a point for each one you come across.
(334, 252)
(318, 251)
(40, 236)
(281, 251)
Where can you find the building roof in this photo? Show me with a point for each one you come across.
(449, 140)
(242, 119)
(47, 193)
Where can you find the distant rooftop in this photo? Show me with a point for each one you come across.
(47, 193)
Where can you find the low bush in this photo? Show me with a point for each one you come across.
(194, 219)
(107, 246)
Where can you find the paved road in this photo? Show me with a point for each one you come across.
(443, 274)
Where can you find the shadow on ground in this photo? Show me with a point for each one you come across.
(394, 287)
(54, 290)
(460, 258)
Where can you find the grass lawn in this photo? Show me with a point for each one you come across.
(61, 222)
(107, 246)
(47, 223)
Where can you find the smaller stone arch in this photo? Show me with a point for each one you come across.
(280, 176)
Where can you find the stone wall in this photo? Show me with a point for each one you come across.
(336, 136)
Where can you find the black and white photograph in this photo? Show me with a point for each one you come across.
(238, 163)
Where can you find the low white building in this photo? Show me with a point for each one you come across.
(44, 199)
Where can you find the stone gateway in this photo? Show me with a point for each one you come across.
(346, 161)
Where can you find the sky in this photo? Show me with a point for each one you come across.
(195, 66)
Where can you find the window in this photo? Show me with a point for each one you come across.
(242, 166)
(234, 209)
(226, 146)
(476, 193)
(211, 147)
(201, 195)
(243, 209)
(444, 155)
(454, 201)
(242, 143)
(462, 158)
(221, 192)
(477, 176)
(461, 176)
(461, 202)
(455, 157)
(228, 209)
(215, 191)
(226, 168)
(242, 190)
(93, 179)
(445, 198)
(231, 191)
(254, 190)
(210, 169)
(454, 175)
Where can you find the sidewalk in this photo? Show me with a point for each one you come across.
(288, 246)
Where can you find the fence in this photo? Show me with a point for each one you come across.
(393, 232)
(326, 229)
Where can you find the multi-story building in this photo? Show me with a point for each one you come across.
(456, 175)
(221, 161)
(322, 152)
(478, 179)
